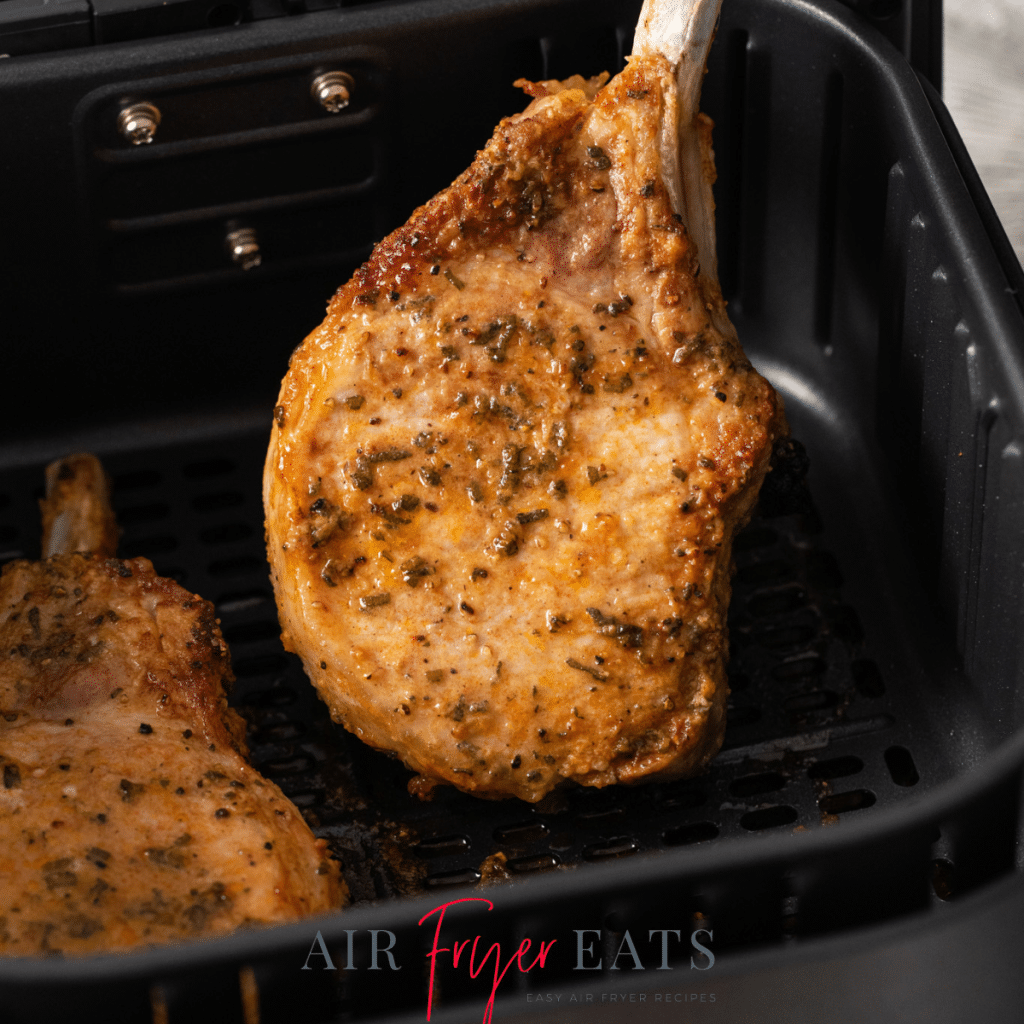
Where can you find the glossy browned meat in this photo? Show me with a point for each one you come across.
(507, 470)
(128, 813)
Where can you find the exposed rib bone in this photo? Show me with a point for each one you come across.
(77, 515)
(682, 31)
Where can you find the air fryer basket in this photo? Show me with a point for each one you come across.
(870, 778)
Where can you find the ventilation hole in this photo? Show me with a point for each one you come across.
(620, 846)
(207, 468)
(469, 876)
(776, 602)
(223, 15)
(799, 668)
(836, 768)
(307, 798)
(942, 879)
(288, 766)
(846, 625)
(763, 572)
(215, 502)
(253, 632)
(598, 819)
(562, 841)
(7, 534)
(237, 566)
(149, 546)
(854, 800)
(752, 785)
(768, 817)
(541, 862)
(867, 678)
(779, 637)
(686, 835)
(521, 834)
(278, 697)
(755, 537)
(685, 800)
(816, 700)
(225, 533)
(241, 601)
(881, 10)
(739, 682)
(260, 665)
(746, 715)
(142, 513)
(901, 766)
(279, 732)
(442, 846)
(823, 570)
(137, 480)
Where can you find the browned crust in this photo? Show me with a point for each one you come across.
(519, 184)
(70, 610)
(128, 814)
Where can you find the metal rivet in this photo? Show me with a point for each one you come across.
(137, 123)
(332, 90)
(244, 248)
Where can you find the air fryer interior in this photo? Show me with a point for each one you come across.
(873, 656)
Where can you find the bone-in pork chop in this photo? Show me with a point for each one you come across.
(507, 469)
(128, 813)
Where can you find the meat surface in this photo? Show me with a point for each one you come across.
(506, 471)
(128, 813)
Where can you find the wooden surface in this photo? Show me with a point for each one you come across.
(984, 90)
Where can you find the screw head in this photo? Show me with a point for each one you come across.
(244, 248)
(332, 90)
(137, 123)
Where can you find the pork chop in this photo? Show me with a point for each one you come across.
(506, 472)
(128, 813)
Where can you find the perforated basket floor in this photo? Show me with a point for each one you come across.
(812, 735)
